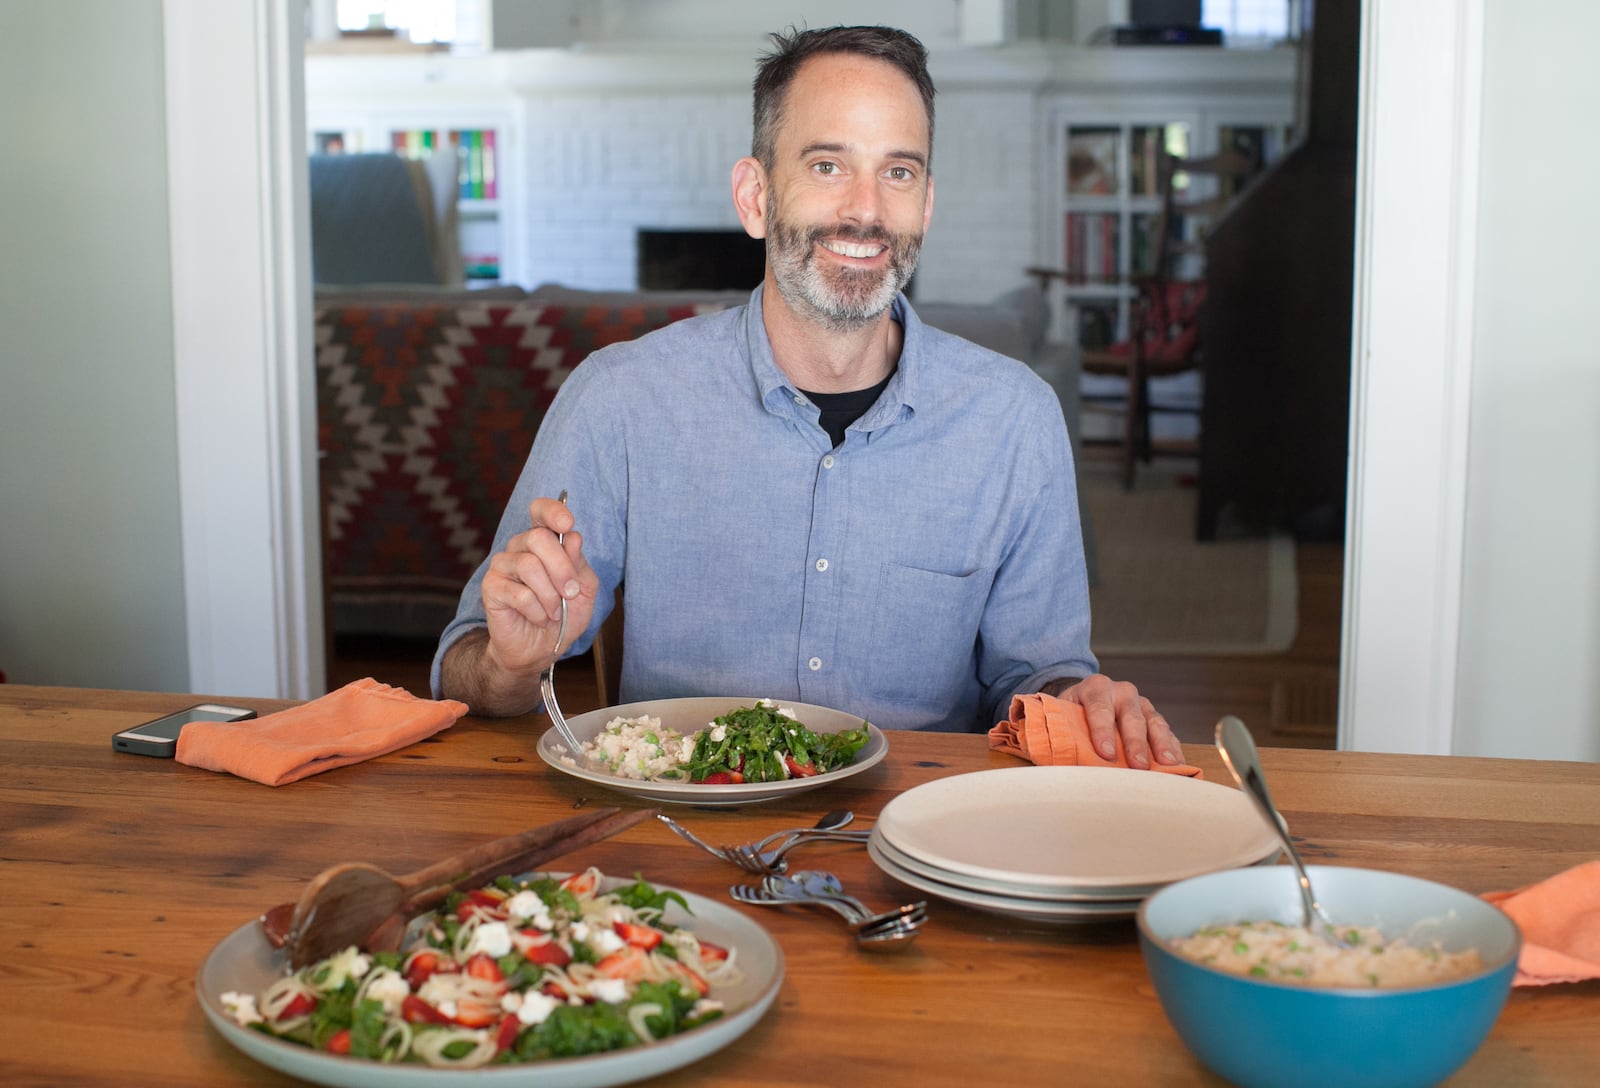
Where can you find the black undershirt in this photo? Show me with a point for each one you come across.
(839, 410)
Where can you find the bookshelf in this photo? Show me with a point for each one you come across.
(1104, 203)
(479, 150)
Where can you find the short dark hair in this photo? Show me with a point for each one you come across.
(792, 48)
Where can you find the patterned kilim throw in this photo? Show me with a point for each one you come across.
(425, 417)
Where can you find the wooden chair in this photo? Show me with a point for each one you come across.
(1165, 341)
(1164, 321)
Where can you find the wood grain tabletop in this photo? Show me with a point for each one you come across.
(124, 871)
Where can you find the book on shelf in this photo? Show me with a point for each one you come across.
(1093, 239)
(473, 148)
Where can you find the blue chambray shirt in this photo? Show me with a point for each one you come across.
(918, 575)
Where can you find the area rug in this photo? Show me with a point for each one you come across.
(1158, 590)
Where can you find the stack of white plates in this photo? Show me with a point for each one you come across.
(1064, 844)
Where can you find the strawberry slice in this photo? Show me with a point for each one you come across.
(799, 770)
(722, 778)
(483, 966)
(505, 1036)
(690, 976)
(638, 935)
(298, 1005)
(417, 1011)
(713, 953)
(581, 884)
(423, 966)
(629, 963)
(476, 1014)
(481, 903)
(539, 947)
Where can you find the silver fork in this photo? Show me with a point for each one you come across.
(690, 837)
(547, 685)
(766, 862)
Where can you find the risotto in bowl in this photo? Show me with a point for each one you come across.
(1262, 1002)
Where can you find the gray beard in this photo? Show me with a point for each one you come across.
(841, 300)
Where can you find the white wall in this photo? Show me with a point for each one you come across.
(1530, 625)
(91, 575)
(606, 139)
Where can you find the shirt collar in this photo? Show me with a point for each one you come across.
(898, 400)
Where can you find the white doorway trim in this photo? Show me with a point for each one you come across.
(240, 241)
(241, 287)
(1416, 225)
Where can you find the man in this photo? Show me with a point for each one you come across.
(813, 497)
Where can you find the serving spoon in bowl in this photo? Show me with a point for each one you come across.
(1238, 749)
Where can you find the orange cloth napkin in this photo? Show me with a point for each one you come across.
(361, 720)
(1560, 922)
(1054, 733)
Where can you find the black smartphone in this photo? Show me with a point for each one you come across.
(160, 737)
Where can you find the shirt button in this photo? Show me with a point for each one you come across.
(815, 663)
(822, 565)
(800, 401)
(827, 462)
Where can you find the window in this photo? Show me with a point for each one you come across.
(1253, 22)
(422, 22)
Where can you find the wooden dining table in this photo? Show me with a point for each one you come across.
(122, 872)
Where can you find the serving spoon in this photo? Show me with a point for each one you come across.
(359, 904)
(1238, 750)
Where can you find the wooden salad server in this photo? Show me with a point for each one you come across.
(356, 904)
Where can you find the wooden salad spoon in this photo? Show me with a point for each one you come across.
(359, 904)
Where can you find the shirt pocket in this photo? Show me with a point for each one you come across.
(925, 633)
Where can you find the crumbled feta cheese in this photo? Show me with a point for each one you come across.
(719, 733)
(580, 931)
(613, 991)
(536, 1007)
(493, 938)
(605, 942)
(389, 988)
(242, 1007)
(435, 990)
(526, 906)
(348, 964)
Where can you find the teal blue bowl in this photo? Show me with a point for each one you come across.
(1252, 1031)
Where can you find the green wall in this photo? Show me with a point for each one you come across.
(91, 577)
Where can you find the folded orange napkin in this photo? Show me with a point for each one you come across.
(1054, 733)
(361, 720)
(1560, 922)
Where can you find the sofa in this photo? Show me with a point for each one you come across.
(428, 401)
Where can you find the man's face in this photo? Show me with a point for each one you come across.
(849, 194)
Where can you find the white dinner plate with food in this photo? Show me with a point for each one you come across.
(1066, 829)
(1045, 911)
(243, 962)
(687, 716)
